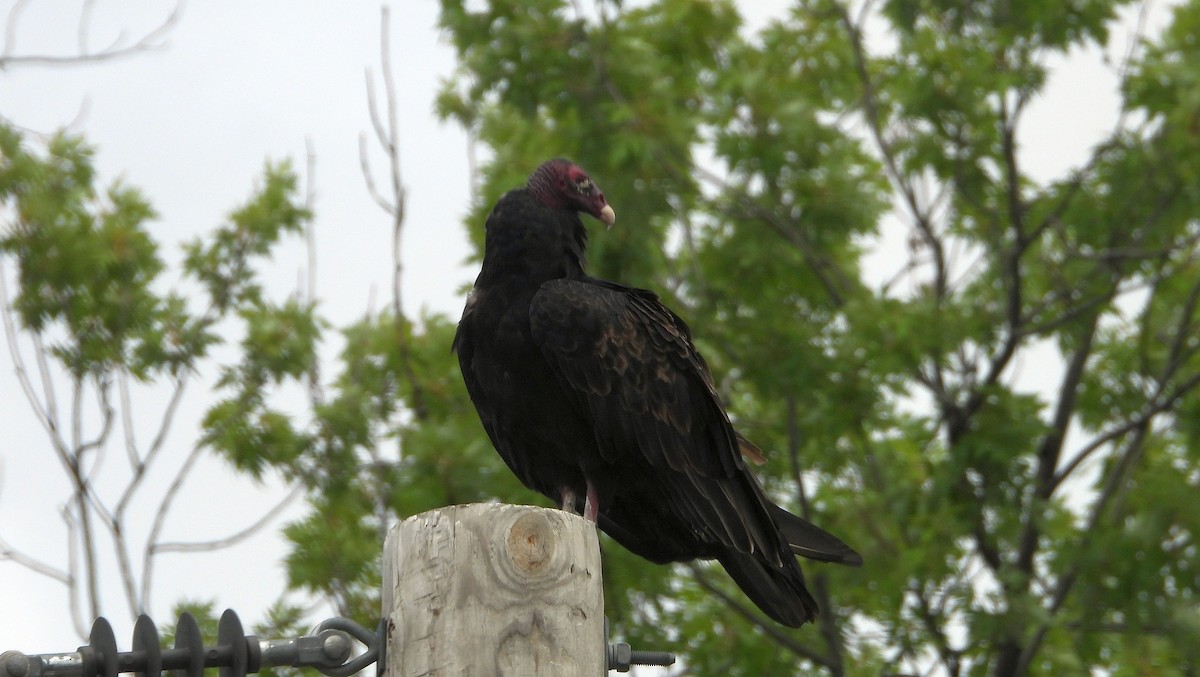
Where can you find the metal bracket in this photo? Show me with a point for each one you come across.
(328, 649)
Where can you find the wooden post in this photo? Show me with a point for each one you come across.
(490, 589)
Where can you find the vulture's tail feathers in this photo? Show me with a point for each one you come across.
(780, 593)
(808, 540)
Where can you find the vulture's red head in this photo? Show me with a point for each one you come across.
(562, 184)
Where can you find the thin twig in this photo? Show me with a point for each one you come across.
(125, 567)
(390, 140)
(156, 445)
(150, 41)
(387, 133)
(10, 27)
(73, 571)
(310, 203)
(85, 22)
(834, 280)
(160, 517)
(365, 164)
(77, 424)
(316, 395)
(232, 539)
(87, 538)
(140, 472)
(1142, 419)
(131, 451)
(43, 414)
(99, 443)
(8, 552)
(870, 105)
(473, 178)
(43, 363)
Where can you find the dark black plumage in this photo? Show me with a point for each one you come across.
(594, 395)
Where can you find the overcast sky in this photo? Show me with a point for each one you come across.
(191, 125)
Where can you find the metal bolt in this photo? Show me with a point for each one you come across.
(337, 647)
(620, 657)
(15, 666)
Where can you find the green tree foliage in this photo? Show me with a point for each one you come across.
(1008, 526)
(101, 322)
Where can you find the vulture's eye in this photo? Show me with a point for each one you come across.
(582, 184)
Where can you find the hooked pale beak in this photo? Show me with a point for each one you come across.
(608, 216)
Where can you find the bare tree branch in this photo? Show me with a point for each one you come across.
(232, 539)
(828, 622)
(8, 552)
(107, 414)
(473, 178)
(1161, 400)
(85, 21)
(315, 394)
(131, 452)
(149, 41)
(1157, 405)
(164, 508)
(1116, 479)
(389, 138)
(365, 165)
(871, 113)
(934, 624)
(387, 133)
(78, 474)
(82, 521)
(833, 279)
(156, 445)
(310, 204)
(1050, 449)
(73, 571)
(47, 414)
(125, 568)
(77, 424)
(10, 27)
(136, 602)
(43, 365)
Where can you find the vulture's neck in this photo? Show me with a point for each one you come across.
(529, 243)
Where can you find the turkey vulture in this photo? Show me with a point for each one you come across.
(594, 396)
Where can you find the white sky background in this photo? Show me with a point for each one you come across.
(191, 125)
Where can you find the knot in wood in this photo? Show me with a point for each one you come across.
(531, 543)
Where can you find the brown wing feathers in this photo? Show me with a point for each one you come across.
(649, 393)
